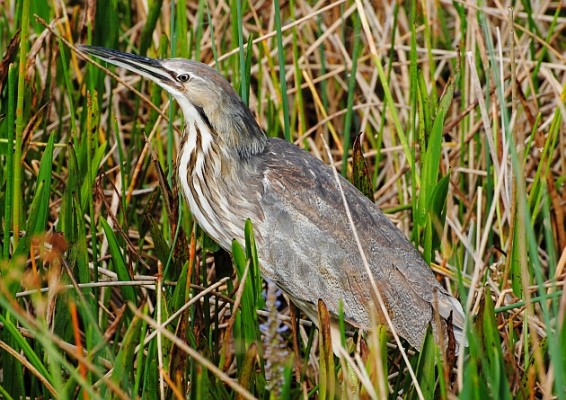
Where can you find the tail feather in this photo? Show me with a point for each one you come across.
(449, 305)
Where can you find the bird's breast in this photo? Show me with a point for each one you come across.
(215, 192)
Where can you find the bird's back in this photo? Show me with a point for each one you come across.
(307, 247)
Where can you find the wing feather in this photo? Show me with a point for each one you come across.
(308, 249)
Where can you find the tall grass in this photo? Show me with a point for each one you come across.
(108, 289)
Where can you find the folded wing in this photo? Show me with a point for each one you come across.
(308, 249)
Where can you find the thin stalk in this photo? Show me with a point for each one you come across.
(282, 79)
(299, 101)
(351, 93)
(212, 37)
(92, 128)
(171, 114)
(242, 55)
(199, 29)
(17, 165)
(10, 161)
(378, 143)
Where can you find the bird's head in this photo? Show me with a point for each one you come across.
(203, 94)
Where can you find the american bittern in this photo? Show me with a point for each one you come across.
(230, 171)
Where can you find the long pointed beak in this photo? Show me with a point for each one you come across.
(145, 66)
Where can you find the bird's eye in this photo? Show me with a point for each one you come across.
(183, 77)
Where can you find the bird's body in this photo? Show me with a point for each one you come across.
(230, 171)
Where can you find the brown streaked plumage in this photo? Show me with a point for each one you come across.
(230, 171)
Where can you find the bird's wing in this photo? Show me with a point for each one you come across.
(308, 249)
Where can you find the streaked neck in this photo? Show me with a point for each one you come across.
(210, 167)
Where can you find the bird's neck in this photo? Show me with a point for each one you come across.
(213, 159)
(231, 131)
(237, 129)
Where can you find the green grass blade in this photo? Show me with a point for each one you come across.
(431, 158)
(17, 165)
(149, 26)
(118, 261)
(122, 372)
(352, 76)
(20, 343)
(39, 211)
(10, 168)
(282, 78)
(426, 369)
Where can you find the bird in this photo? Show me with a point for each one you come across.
(230, 171)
